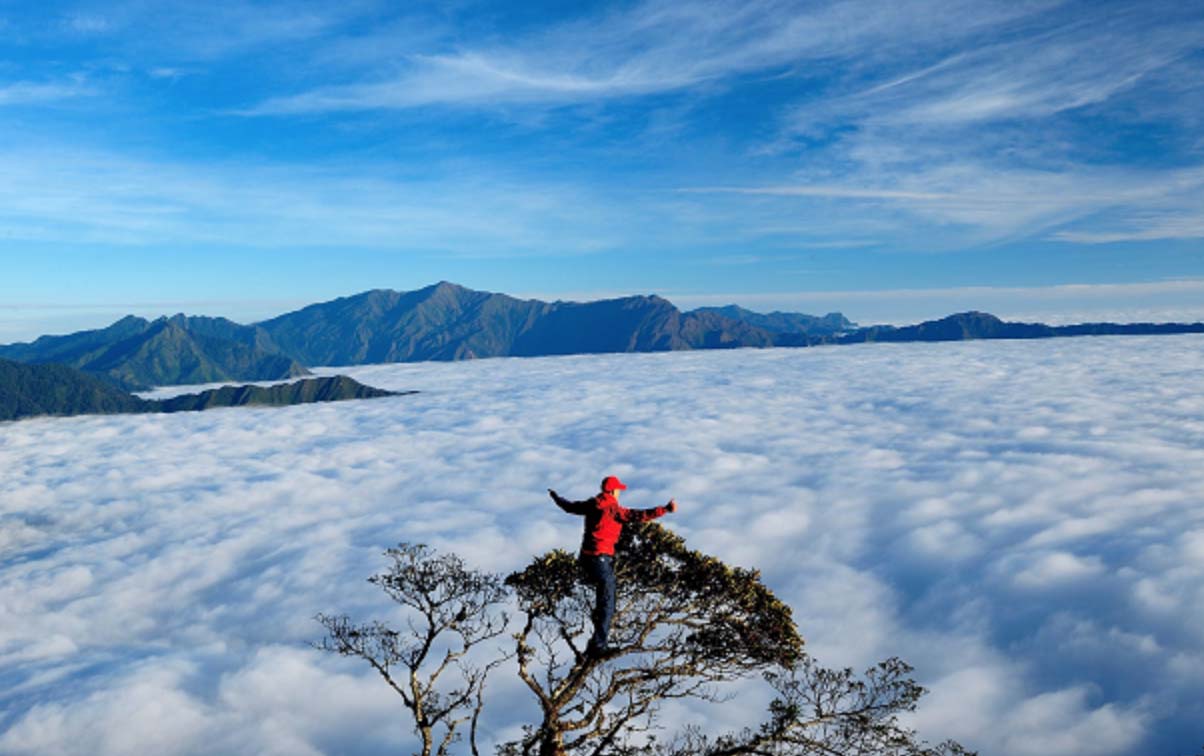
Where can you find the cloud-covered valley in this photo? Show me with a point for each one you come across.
(1021, 521)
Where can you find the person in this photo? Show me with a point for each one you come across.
(604, 519)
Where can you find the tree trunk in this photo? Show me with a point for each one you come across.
(551, 740)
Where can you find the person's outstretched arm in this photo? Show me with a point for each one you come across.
(644, 515)
(572, 507)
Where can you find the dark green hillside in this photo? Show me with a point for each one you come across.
(630, 324)
(33, 390)
(75, 348)
(134, 353)
(170, 352)
(330, 389)
(450, 322)
(30, 390)
(440, 322)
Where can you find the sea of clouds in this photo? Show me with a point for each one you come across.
(1022, 521)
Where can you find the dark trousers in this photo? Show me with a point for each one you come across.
(600, 573)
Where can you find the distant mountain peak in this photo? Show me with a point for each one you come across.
(972, 315)
(785, 324)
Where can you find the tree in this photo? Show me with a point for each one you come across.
(685, 623)
(452, 609)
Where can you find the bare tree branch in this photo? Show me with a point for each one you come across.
(453, 609)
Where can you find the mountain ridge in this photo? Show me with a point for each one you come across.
(785, 322)
(445, 322)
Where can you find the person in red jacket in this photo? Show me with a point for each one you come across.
(604, 519)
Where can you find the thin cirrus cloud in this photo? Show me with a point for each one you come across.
(1031, 78)
(34, 93)
(202, 32)
(1018, 520)
(998, 204)
(1115, 61)
(1004, 139)
(53, 196)
(654, 47)
(930, 125)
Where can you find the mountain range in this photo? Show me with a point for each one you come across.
(981, 325)
(439, 322)
(449, 322)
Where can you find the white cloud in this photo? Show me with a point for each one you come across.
(85, 23)
(652, 47)
(206, 31)
(1008, 136)
(106, 199)
(991, 203)
(1039, 74)
(1056, 569)
(32, 93)
(161, 573)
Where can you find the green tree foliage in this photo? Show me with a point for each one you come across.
(31, 390)
(683, 622)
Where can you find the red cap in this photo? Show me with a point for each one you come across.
(611, 483)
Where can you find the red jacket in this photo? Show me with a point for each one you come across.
(604, 520)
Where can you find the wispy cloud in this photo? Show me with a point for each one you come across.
(652, 47)
(88, 23)
(993, 204)
(1054, 61)
(1034, 77)
(1006, 139)
(109, 199)
(208, 31)
(35, 93)
(1185, 223)
(842, 192)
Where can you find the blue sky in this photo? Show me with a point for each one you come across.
(892, 160)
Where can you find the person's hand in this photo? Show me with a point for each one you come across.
(672, 505)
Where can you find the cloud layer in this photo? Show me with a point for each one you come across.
(1018, 520)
